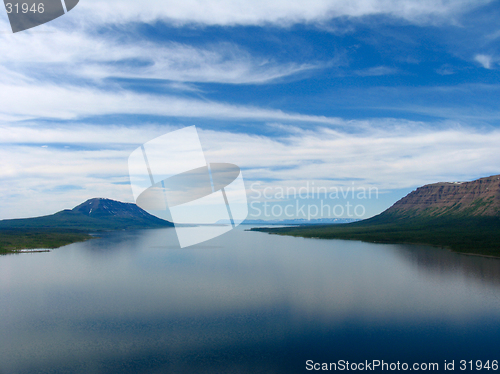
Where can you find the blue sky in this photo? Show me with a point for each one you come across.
(366, 93)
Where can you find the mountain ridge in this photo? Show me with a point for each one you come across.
(480, 197)
(461, 216)
(74, 225)
(96, 214)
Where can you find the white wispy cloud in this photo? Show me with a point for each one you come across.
(485, 60)
(59, 71)
(60, 75)
(63, 75)
(41, 100)
(376, 71)
(471, 103)
(260, 12)
(494, 35)
(446, 69)
(38, 180)
(77, 53)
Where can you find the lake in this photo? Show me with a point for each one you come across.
(245, 302)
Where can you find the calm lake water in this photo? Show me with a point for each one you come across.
(245, 302)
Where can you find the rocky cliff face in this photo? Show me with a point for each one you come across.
(477, 198)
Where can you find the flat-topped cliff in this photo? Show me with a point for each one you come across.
(480, 197)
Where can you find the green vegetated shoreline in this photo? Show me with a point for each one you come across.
(17, 239)
(471, 235)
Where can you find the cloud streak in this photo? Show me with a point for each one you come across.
(261, 12)
(74, 68)
(485, 60)
(82, 55)
(65, 102)
(35, 179)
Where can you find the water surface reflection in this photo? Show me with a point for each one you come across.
(244, 302)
